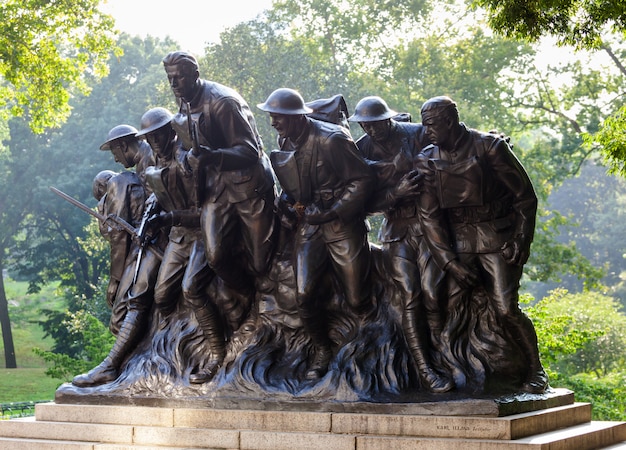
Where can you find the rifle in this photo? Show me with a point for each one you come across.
(193, 131)
(195, 151)
(142, 233)
(123, 225)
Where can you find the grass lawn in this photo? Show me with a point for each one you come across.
(28, 382)
(22, 385)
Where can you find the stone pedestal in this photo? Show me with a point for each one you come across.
(479, 424)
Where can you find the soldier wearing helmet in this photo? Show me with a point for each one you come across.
(391, 147)
(325, 184)
(235, 183)
(184, 266)
(125, 192)
(124, 195)
(128, 150)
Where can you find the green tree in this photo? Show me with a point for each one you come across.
(580, 333)
(41, 235)
(582, 346)
(46, 50)
(580, 23)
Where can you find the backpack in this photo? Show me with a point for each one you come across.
(333, 110)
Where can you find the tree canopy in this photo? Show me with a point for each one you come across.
(580, 23)
(48, 50)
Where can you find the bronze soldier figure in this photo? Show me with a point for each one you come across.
(183, 269)
(130, 152)
(130, 296)
(391, 148)
(479, 217)
(234, 180)
(326, 182)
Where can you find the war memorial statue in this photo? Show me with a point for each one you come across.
(264, 285)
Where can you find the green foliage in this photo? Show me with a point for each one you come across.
(575, 22)
(551, 259)
(612, 139)
(351, 31)
(556, 332)
(606, 394)
(580, 333)
(583, 346)
(48, 50)
(95, 342)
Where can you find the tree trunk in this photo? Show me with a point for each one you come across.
(5, 322)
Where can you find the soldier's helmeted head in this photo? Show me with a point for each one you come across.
(156, 126)
(122, 143)
(100, 181)
(287, 109)
(374, 116)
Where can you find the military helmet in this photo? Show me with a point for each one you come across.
(99, 185)
(153, 119)
(118, 132)
(371, 109)
(285, 101)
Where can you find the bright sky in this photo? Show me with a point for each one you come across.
(192, 23)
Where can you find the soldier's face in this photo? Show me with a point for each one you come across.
(181, 82)
(159, 140)
(378, 130)
(120, 151)
(437, 129)
(284, 124)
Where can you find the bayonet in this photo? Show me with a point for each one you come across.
(122, 224)
(151, 205)
(138, 235)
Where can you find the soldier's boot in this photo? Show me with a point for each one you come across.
(537, 379)
(435, 327)
(322, 352)
(415, 339)
(319, 365)
(213, 329)
(109, 369)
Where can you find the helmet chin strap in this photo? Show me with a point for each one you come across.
(128, 163)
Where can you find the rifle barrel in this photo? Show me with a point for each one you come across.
(118, 220)
(78, 204)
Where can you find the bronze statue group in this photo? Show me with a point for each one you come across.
(250, 273)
